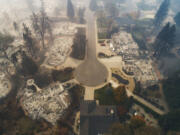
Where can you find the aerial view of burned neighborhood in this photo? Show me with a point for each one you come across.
(89, 67)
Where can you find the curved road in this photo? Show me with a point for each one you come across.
(91, 72)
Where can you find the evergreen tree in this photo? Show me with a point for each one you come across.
(15, 25)
(170, 121)
(112, 9)
(120, 95)
(147, 130)
(93, 5)
(29, 66)
(136, 126)
(165, 40)
(81, 12)
(120, 129)
(177, 19)
(137, 122)
(70, 9)
(29, 41)
(162, 13)
(79, 45)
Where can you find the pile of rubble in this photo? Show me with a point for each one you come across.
(143, 71)
(19, 11)
(59, 51)
(49, 103)
(7, 66)
(5, 86)
(65, 28)
(123, 44)
(64, 33)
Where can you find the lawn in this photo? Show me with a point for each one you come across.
(105, 95)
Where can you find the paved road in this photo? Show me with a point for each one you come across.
(91, 72)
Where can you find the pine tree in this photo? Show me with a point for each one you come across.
(162, 13)
(112, 9)
(81, 12)
(177, 19)
(70, 9)
(93, 5)
(165, 40)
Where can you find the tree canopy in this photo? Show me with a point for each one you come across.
(93, 5)
(81, 12)
(170, 121)
(177, 19)
(172, 89)
(70, 9)
(112, 9)
(41, 25)
(120, 129)
(162, 12)
(120, 95)
(147, 130)
(165, 40)
(79, 45)
(137, 122)
(136, 126)
(29, 67)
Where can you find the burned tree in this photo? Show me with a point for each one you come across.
(41, 25)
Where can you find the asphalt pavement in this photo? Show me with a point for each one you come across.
(91, 72)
